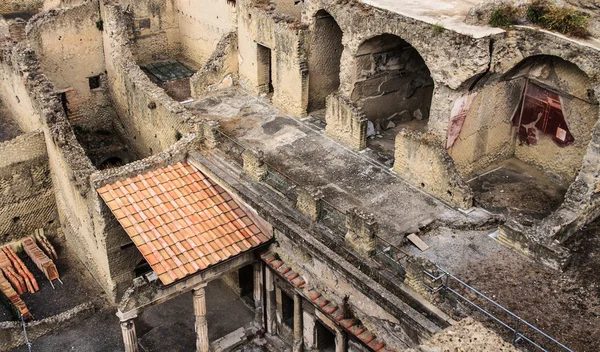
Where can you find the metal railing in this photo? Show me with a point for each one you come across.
(231, 148)
(281, 183)
(332, 218)
(517, 326)
(391, 254)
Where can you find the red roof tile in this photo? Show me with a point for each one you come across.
(180, 220)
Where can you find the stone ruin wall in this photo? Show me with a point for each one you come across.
(149, 119)
(221, 69)
(26, 193)
(423, 161)
(288, 61)
(153, 28)
(10, 7)
(69, 46)
(335, 287)
(202, 25)
(488, 136)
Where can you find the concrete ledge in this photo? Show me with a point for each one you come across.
(11, 332)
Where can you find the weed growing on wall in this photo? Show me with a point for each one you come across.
(438, 28)
(504, 17)
(561, 19)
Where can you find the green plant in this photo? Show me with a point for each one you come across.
(504, 17)
(178, 135)
(100, 25)
(438, 28)
(561, 19)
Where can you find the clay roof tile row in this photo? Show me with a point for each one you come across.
(180, 220)
(353, 326)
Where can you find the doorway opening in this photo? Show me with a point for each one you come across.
(246, 282)
(287, 310)
(265, 70)
(325, 338)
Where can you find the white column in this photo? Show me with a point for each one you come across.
(271, 304)
(129, 336)
(258, 293)
(340, 340)
(200, 314)
(308, 324)
(298, 331)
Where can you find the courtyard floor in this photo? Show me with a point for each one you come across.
(166, 327)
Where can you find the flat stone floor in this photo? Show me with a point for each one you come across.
(167, 327)
(301, 150)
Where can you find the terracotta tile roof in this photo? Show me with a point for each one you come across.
(353, 326)
(181, 221)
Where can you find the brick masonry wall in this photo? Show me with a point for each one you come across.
(26, 194)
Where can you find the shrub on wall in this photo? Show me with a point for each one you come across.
(561, 19)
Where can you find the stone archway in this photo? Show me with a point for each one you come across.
(393, 87)
(324, 60)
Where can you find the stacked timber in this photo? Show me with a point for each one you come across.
(16, 265)
(41, 260)
(14, 299)
(43, 242)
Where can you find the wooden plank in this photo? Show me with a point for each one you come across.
(417, 241)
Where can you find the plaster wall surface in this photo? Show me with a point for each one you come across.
(487, 135)
(202, 24)
(154, 29)
(26, 194)
(15, 96)
(69, 46)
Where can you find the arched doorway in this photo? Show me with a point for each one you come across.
(324, 60)
(394, 88)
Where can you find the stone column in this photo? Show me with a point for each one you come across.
(362, 228)
(129, 336)
(309, 202)
(258, 293)
(340, 341)
(308, 322)
(271, 304)
(298, 331)
(201, 325)
(254, 165)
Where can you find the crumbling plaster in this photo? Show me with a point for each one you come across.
(69, 46)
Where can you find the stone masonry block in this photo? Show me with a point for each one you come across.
(362, 229)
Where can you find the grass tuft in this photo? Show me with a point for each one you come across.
(504, 17)
(438, 28)
(562, 19)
